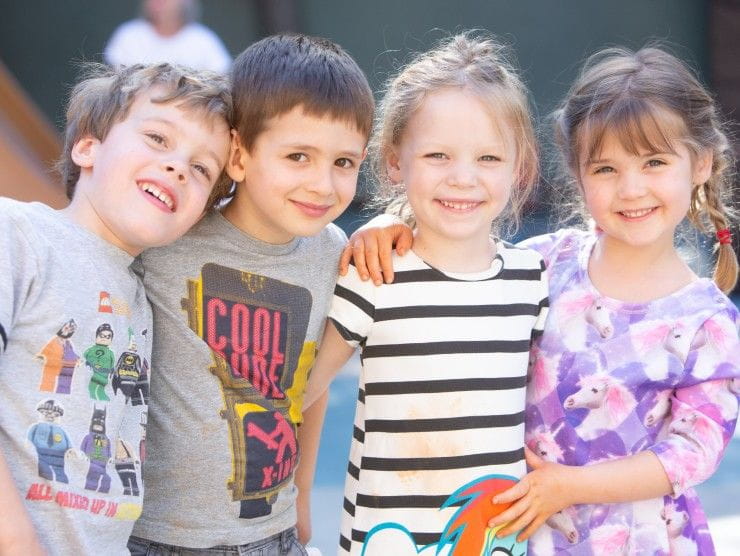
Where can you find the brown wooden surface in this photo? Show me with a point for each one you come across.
(29, 145)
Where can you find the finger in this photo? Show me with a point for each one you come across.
(385, 256)
(510, 513)
(512, 493)
(344, 259)
(372, 261)
(530, 530)
(404, 239)
(517, 525)
(358, 256)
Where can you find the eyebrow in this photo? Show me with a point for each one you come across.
(171, 124)
(342, 154)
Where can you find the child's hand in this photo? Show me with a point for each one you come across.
(371, 247)
(541, 493)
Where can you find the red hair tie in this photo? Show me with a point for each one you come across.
(724, 236)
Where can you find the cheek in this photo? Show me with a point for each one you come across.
(593, 196)
(347, 186)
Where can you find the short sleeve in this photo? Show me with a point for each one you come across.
(19, 263)
(546, 245)
(704, 409)
(353, 307)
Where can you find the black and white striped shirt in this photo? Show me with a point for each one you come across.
(442, 387)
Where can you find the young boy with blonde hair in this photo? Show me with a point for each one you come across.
(144, 153)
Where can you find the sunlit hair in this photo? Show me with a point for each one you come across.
(476, 63)
(104, 96)
(650, 101)
(280, 72)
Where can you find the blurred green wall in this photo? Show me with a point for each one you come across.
(40, 40)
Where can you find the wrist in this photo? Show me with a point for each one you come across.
(571, 484)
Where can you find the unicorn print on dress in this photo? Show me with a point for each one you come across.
(657, 343)
(716, 339)
(675, 521)
(611, 540)
(697, 427)
(542, 442)
(609, 403)
(542, 376)
(564, 521)
(579, 314)
(661, 407)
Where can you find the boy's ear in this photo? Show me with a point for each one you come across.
(84, 151)
(392, 166)
(702, 170)
(236, 164)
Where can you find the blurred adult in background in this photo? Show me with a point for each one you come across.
(168, 31)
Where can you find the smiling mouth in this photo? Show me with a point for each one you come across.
(459, 205)
(637, 213)
(312, 209)
(158, 193)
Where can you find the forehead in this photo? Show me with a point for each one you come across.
(462, 114)
(635, 127)
(147, 105)
(321, 131)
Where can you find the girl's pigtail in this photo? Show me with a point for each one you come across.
(726, 267)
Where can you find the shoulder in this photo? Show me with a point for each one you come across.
(519, 256)
(330, 240)
(551, 246)
(706, 301)
(31, 220)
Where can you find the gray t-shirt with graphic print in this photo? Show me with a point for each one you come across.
(237, 322)
(75, 337)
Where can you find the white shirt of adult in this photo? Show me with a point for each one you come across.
(195, 45)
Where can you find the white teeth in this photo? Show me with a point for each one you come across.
(457, 205)
(152, 189)
(636, 213)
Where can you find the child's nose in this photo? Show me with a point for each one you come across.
(462, 175)
(321, 182)
(177, 169)
(631, 186)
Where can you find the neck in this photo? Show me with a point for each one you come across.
(243, 216)
(83, 213)
(468, 255)
(637, 274)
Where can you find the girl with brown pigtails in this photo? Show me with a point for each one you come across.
(633, 387)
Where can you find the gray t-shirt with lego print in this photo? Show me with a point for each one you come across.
(236, 324)
(75, 331)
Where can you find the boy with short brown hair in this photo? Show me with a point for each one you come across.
(240, 303)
